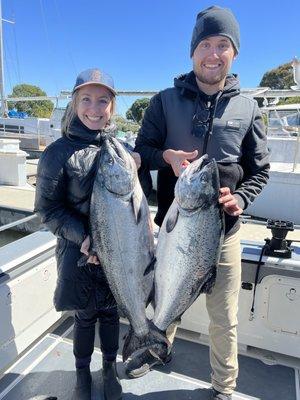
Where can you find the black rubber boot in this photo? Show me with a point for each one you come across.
(111, 383)
(83, 388)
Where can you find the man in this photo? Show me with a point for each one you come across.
(206, 113)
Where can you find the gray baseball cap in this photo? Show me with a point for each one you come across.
(95, 76)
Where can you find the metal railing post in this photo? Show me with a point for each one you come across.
(296, 150)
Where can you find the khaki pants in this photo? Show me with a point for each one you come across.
(222, 307)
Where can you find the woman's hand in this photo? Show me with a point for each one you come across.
(137, 158)
(178, 159)
(85, 246)
(229, 202)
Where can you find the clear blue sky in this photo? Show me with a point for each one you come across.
(142, 44)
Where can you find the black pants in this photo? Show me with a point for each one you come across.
(84, 334)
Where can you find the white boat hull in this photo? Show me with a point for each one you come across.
(275, 326)
(27, 283)
(27, 311)
(280, 198)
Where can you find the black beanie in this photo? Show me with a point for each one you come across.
(216, 21)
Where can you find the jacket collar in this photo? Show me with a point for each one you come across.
(188, 87)
(79, 132)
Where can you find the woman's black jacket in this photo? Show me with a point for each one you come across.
(65, 179)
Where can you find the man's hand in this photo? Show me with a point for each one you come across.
(229, 202)
(137, 159)
(179, 159)
(85, 246)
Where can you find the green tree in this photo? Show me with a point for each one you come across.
(280, 78)
(137, 110)
(40, 109)
(124, 125)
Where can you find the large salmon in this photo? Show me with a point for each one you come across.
(189, 243)
(122, 232)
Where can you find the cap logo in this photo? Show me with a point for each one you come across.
(96, 76)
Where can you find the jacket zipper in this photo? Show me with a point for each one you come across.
(208, 134)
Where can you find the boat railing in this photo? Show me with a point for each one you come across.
(283, 132)
(8, 128)
(18, 222)
(16, 131)
(33, 132)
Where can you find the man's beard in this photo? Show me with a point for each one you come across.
(210, 80)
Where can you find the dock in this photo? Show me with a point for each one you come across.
(17, 202)
(17, 199)
(20, 198)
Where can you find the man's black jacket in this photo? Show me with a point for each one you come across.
(236, 140)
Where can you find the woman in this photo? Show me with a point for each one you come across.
(65, 180)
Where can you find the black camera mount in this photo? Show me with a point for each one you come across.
(278, 246)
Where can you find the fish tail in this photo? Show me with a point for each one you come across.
(131, 344)
(156, 341)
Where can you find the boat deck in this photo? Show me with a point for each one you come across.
(20, 198)
(48, 369)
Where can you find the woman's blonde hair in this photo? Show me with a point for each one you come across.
(71, 112)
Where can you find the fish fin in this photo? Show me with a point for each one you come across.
(137, 211)
(151, 298)
(209, 284)
(148, 282)
(122, 314)
(82, 261)
(150, 266)
(172, 220)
